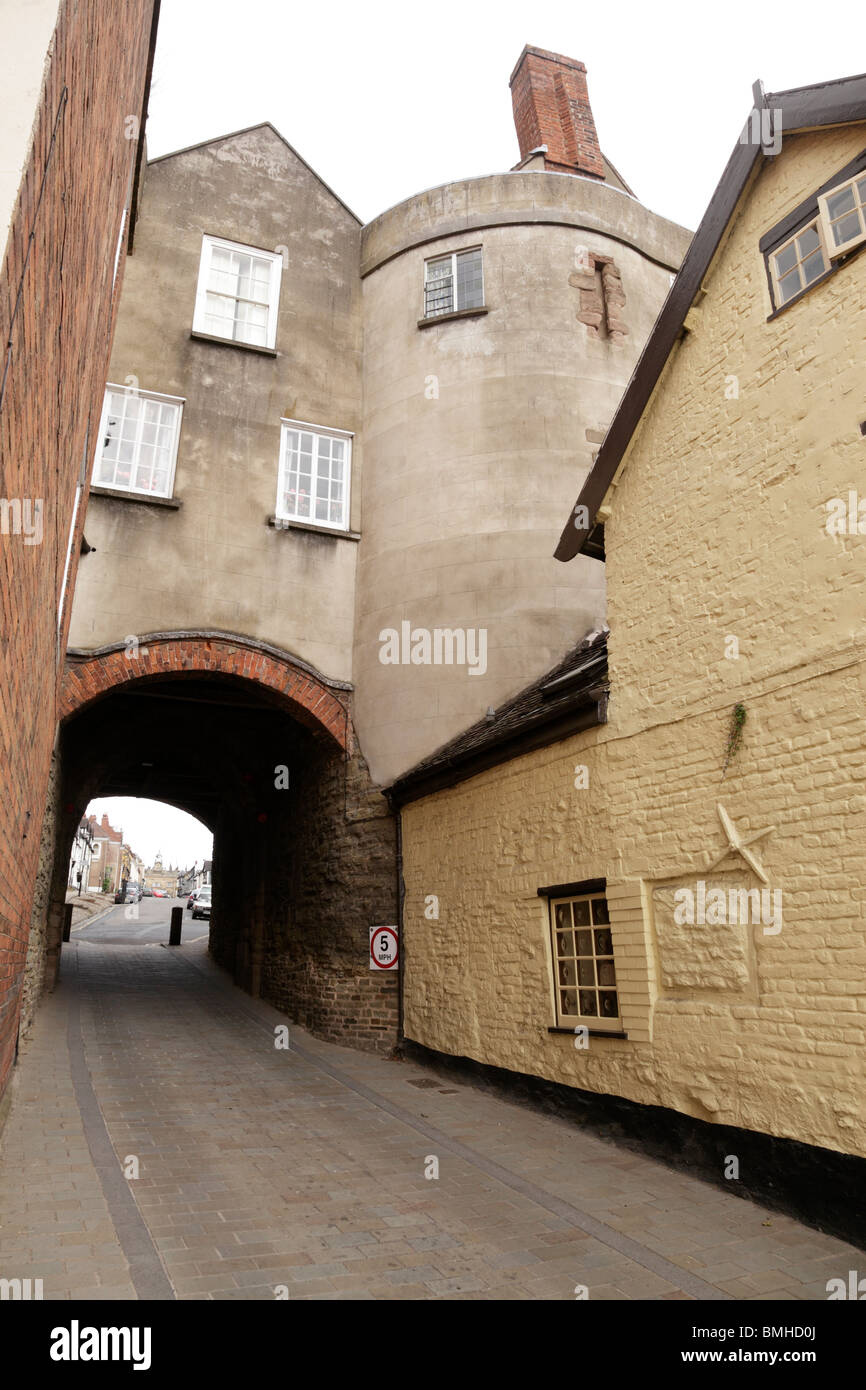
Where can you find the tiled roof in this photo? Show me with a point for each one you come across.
(572, 692)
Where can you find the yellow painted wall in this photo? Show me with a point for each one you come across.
(717, 529)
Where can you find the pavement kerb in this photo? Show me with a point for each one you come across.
(97, 917)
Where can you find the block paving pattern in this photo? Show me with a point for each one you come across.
(305, 1168)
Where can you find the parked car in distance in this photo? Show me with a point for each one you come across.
(201, 906)
(147, 892)
(191, 899)
(160, 893)
(132, 894)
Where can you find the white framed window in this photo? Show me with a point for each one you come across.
(798, 263)
(315, 475)
(454, 282)
(138, 439)
(238, 292)
(843, 215)
(583, 965)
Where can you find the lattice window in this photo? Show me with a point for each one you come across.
(583, 962)
(454, 282)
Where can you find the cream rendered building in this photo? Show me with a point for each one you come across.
(649, 882)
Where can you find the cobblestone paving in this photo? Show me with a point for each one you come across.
(304, 1169)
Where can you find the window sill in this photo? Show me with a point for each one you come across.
(449, 318)
(591, 1032)
(120, 496)
(281, 524)
(233, 343)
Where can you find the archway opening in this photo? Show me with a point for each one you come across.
(133, 860)
(303, 862)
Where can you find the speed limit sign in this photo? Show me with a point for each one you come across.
(383, 948)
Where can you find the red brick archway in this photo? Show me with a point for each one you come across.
(88, 677)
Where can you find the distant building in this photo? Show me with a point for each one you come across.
(161, 876)
(106, 865)
(185, 882)
(81, 856)
(136, 868)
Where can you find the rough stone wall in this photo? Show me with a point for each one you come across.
(728, 1024)
(298, 895)
(59, 335)
(340, 879)
(37, 946)
(602, 300)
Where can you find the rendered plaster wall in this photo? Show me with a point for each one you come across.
(717, 530)
(476, 437)
(214, 562)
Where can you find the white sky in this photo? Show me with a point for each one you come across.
(384, 99)
(150, 827)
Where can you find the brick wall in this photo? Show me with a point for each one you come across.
(56, 302)
(717, 530)
(551, 107)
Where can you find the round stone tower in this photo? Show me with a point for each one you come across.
(502, 319)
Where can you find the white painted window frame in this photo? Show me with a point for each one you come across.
(199, 321)
(162, 398)
(453, 257)
(779, 302)
(831, 249)
(328, 432)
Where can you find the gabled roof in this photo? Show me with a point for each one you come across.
(803, 108)
(262, 125)
(570, 697)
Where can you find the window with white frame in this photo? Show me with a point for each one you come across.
(843, 215)
(238, 293)
(583, 964)
(454, 282)
(798, 263)
(314, 476)
(138, 440)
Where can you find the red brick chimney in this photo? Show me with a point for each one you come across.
(551, 107)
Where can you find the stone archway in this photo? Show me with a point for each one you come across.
(199, 720)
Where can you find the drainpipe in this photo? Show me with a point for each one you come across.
(401, 894)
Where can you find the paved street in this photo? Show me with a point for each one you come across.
(144, 923)
(303, 1170)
